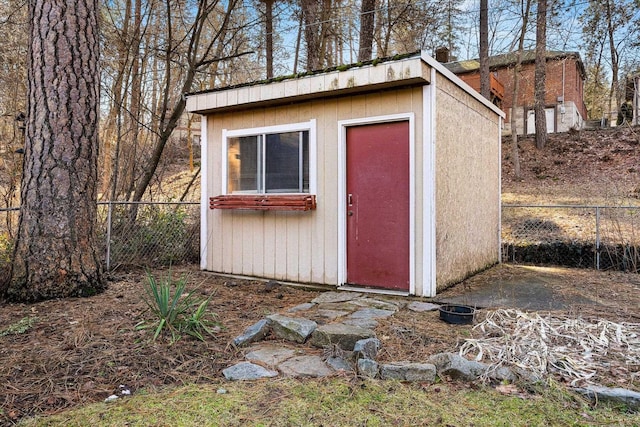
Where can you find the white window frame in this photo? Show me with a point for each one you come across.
(309, 126)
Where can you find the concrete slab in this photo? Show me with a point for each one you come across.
(534, 289)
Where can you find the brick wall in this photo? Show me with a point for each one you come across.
(573, 84)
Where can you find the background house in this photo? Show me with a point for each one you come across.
(565, 108)
(362, 176)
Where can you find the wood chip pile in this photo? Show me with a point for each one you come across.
(576, 350)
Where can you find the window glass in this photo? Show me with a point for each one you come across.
(243, 166)
(269, 163)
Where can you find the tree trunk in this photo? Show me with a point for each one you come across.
(55, 254)
(515, 152)
(296, 57)
(615, 97)
(367, 20)
(485, 83)
(268, 4)
(110, 125)
(540, 75)
(312, 26)
(170, 113)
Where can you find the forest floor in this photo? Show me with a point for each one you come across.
(583, 167)
(66, 353)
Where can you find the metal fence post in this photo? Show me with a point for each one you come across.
(598, 238)
(108, 255)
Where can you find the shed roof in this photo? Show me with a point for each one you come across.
(402, 70)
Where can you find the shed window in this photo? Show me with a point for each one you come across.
(268, 162)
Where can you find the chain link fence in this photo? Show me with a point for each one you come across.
(600, 237)
(141, 234)
(147, 234)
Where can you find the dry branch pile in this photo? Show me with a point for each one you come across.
(576, 350)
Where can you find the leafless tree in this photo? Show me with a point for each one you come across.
(367, 28)
(515, 153)
(610, 33)
(485, 83)
(540, 75)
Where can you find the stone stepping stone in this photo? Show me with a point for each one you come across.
(458, 368)
(301, 307)
(367, 349)
(340, 364)
(270, 355)
(368, 368)
(247, 371)
(372, 313)
(331, 314)
(362, 323)
(622, 396)
(421, 307)
(340, 334)
(332, 297)
(253, 333)
(408, 371)
(376, 303)
(291, 328)
(305, 367)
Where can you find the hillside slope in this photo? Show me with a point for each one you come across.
(584, 167)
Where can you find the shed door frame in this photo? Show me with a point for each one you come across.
(342, 192)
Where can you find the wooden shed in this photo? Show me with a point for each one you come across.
(383, 176)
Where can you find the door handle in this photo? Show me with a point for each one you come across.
(350, 199)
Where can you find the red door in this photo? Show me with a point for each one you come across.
(378, 205)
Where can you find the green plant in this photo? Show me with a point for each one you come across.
(6, 251)
(158, 236)
(176, 310)
(19, 327)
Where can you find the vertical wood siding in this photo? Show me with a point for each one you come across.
(291, 246)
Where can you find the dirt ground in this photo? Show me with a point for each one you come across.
(81, 350)
(62, 354)
(582, 167)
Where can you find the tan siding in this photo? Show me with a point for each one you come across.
(304, 247)
(327, 138)
(281, 247)
(467, 185)
(293, 246)
(292, 243)
(268, 250)
(237, 243)
(257, 248)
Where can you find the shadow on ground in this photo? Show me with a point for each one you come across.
(546, 288)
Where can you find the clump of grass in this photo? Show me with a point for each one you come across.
(19, 327)
(175, 310)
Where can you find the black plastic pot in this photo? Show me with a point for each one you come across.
(457, 314)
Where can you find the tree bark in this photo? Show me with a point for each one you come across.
(485, 83)
(614, 94)
(367, 20)
(268, 4)
(312, 32)
(515, 152)
(55, 254)
(540, 75)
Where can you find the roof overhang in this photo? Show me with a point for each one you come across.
(411, 71)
